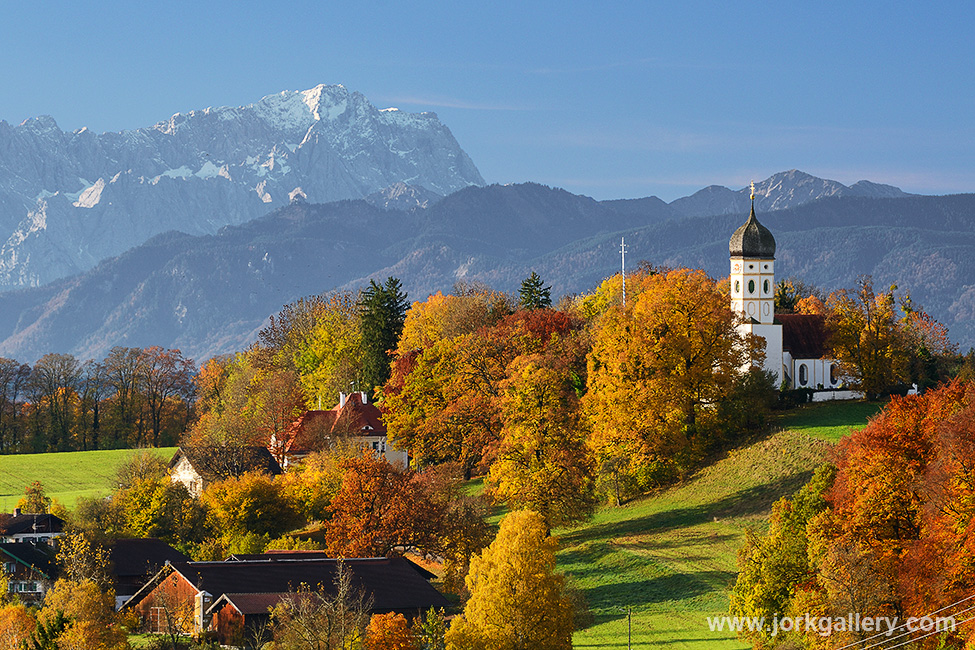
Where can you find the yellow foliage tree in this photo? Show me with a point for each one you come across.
(659, 365)
(543, 462)
(518, 600)
(867, 338)
(93, 623)
(16, 624)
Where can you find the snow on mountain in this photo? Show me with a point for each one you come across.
(780, 191)
(68, 200)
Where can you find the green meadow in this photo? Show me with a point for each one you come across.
(670, 558)
(65, 476)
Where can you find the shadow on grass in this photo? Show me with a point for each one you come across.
(671, 587)
(755, 500)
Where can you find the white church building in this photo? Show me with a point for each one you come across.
(794, 343)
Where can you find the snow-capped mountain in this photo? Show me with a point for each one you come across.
(68, 200)
(780, 191)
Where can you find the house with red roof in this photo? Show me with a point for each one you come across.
(354, 419)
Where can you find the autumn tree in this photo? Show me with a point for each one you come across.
(327, 349)
(383, 309)
(389, 632)
(92, 623)
(17, 624)
(165, 377)
(378, 509)
(54, 380)
(252, 503)
(865, 336)
(543, 463)
(773, 565)
(34, 499)
(518, 600)
(322, 618)
(659, 366)
(13, 389)
(159, 507)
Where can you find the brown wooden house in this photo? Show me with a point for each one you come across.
(30, 568)
(234, 596)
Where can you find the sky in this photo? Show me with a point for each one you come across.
(616, 99)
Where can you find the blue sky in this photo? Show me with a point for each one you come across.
(609, 99)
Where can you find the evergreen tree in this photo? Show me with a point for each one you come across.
(383, 314)
(534, 294)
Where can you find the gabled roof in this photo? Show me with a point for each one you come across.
(142, 557)
(250, 604)
(215, 463)
(39, 557)
(27, 524)
(275, 556)
(314, 429)
(394, 583)
(803, 335)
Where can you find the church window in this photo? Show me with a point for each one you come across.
(737, 286)
(803, 375)
(765, 287)
(751, 286)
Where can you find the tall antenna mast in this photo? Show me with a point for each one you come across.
(623, 266)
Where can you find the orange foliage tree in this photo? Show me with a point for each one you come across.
(390, 632)
(379, 508)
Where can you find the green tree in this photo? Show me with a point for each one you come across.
(533, 293)
(383, 314)
(518, 600)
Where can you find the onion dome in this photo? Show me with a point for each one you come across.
(752, 239)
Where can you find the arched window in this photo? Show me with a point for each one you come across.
(737, 286)
(765, 287)
(751, 286)
(803, 375)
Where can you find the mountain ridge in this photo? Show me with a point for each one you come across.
(68, 200)
(209, 294)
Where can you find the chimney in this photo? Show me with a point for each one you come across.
(341, 400)
(365, 399)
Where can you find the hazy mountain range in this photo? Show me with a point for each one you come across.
(211, 293)
(68, 200)
(190, 233)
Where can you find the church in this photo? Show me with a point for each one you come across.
(795, 344)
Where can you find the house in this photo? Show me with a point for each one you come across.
(233, 596)
(795, 344)
(30, 568)
(135, 561)
(197, 467)
(29, 527)
(354, 419)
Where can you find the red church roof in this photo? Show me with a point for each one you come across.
(803, 335)
(352, 416)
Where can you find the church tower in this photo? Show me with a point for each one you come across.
(752, 249)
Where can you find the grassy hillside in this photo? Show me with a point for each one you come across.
(671, 557)
(65, 476)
